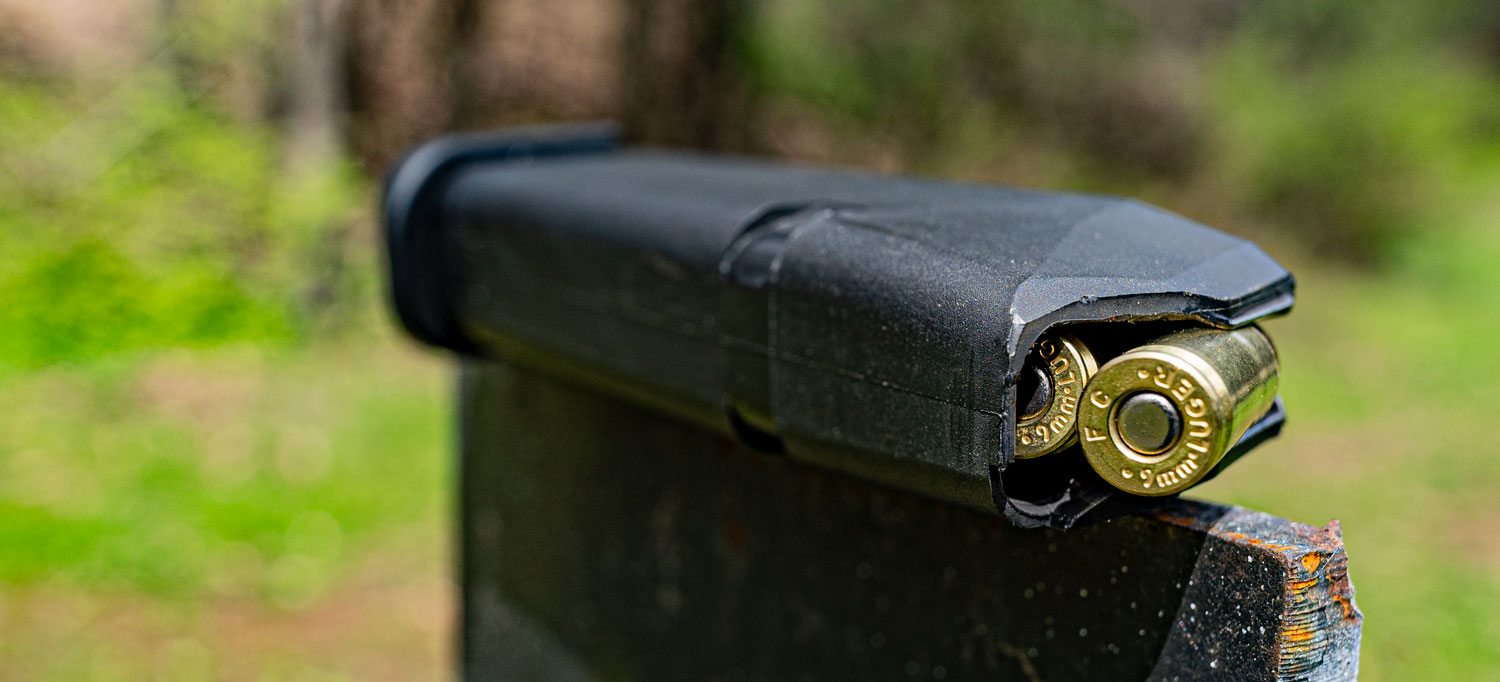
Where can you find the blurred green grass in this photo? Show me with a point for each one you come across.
(218, 460)
(1389, 381)
(185, 491)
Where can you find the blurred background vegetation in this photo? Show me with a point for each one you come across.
(219, 461)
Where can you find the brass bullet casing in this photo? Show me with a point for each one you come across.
(1051, 383)
(1157, 418)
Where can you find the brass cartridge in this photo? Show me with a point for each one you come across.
(1047, 395)
(1157, 418)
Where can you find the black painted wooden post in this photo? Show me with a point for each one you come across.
(603, 541)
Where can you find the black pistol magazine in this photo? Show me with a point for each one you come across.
(882, 326)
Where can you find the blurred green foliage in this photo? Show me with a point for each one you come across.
(148, 214)
(1354, 124)
(155, 220)
(1344, 125)
(182, 424)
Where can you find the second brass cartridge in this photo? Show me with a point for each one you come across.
(1048, 392)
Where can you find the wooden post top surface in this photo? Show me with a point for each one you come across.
(602, 541)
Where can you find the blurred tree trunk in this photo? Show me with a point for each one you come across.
(461, 60)
(411, 73)
(315, 143)
(685, 81)
(315, 89)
